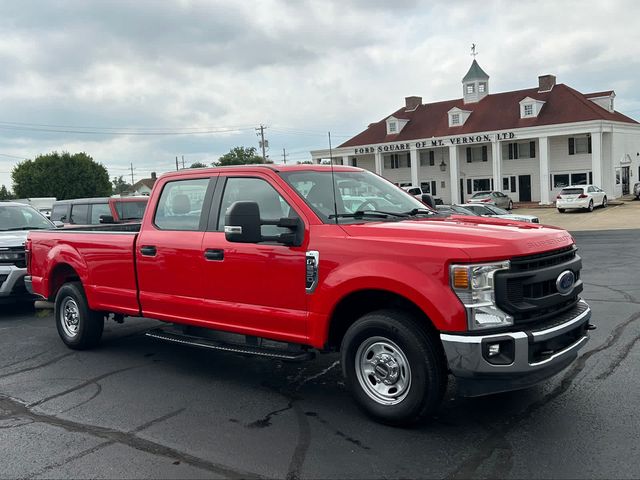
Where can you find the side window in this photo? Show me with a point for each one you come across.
(272, 205)
(591, 190)
(98, 209)
(59, 213)
(180, 205)
(80, 214)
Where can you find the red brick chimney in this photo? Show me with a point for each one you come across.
(411, 103)
(153, 175)
(546, 82)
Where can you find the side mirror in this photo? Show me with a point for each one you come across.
(107, 219)
(58, 224)
(242, 223)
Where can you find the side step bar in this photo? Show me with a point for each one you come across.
(173, 337)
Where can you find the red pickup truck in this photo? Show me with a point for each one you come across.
(297, 259)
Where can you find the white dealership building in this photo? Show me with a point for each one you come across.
(526, 143)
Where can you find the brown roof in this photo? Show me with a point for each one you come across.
(147, 182)
(499, 111)
(598, 94)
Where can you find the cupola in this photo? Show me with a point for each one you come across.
(475, 84)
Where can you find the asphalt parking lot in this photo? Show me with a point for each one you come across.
(138, 408)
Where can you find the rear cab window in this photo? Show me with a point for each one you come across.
(571, 191)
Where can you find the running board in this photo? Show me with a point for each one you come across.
(293, 355)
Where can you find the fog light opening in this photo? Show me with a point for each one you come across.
(494, 349)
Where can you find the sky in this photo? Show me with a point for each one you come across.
(141, 82)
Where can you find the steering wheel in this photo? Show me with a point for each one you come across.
(367, 203)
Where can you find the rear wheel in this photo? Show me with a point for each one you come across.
(79, 327)
(561, 210)
(510, 207)
(604, 202)
(590, 207)
(394, 367)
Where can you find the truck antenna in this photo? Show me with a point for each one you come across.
(333, 182)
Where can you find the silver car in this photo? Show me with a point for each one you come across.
(485, 210)
(498, 199)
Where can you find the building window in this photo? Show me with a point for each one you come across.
(432, 158)
(426, 187)
(520, 150)
(471, 88)
(578, 179)
(513, 184)
(393, 127)
(618, 176)
(528, 110)
(477, 154)
(505, 183)
(354, 162)
(455, 119)
(481, 184)
(561, 181)
(397, 160)
(482, 87)
(579, 145)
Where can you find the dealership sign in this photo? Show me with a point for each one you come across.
(440, 142)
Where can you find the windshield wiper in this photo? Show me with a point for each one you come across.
(369, 214)
(419, 211)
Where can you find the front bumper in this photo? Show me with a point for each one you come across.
(12, 286)
(533, 355)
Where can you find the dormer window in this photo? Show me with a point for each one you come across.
(471, 88)
(482, 87)
(393, 127)
(530, 107)
(455, 119)
(457, 116)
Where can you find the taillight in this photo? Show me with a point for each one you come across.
(27, 255)
(485, 200)
(582, 195)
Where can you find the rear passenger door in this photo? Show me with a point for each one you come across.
(79, 214)
(169, 251)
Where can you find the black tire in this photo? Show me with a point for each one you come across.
(604, 202)
(561, 210)
(406, 340)
(79, 327)
(510, 207)
(590, 207)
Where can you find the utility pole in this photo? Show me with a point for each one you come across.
(264, 144)
(183, 162)
(177, 167)
(132, 182)
(284, 155)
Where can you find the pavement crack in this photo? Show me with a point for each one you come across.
(37, 367)
(126, 438)
(84, 402)
(626, 350)
(18, 362)
(155, 421)
(266, 420)
(70, 459)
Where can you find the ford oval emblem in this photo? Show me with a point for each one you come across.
(565, 282)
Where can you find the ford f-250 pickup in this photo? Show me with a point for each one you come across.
(286, 259)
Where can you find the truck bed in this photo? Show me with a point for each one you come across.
(101, 257)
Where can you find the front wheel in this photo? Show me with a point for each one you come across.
(590, 207)
(79, 327)
(510, 207)
(604, 202)
(394, 367)
(561, 210)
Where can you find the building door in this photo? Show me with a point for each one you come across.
(524, 188)
(625, 180)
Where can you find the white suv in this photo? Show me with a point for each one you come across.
(581, 196)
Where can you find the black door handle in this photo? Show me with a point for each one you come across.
(148, 251)
(214, 254)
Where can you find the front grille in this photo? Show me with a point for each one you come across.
(19, 253)
(528, 292)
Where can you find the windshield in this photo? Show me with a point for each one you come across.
(131, 210)
(22, 217)
(497, 210)
(356, 193)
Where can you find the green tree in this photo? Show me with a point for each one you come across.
(61, 175)
(5, 194)
(240, 156)
(198, 165)
(120, 185)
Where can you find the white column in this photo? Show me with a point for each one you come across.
(596, 158)
(415, 163)
(378, 162)
(453, 174)
(496, 165)
(545, 186)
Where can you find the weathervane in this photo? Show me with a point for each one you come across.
(473, 51)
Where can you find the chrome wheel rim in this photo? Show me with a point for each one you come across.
(383, 371)
(70, 317)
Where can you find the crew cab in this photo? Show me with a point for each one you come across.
(272, 255)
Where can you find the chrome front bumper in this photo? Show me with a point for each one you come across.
(12, 282)
(468, 360)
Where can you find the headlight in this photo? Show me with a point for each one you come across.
(474, 286)
(10, 256)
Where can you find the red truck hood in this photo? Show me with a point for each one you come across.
(481, 238)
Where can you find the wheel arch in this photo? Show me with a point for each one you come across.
(60, 274)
